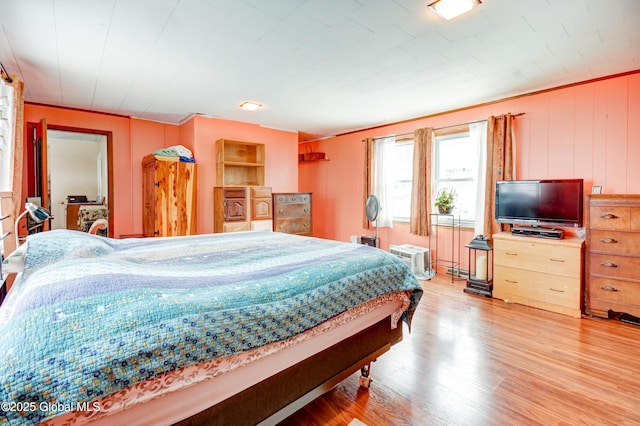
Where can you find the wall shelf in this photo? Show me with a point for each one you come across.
(313, 161)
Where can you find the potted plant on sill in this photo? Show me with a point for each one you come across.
(445, 200)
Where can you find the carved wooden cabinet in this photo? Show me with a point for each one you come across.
(169, 197)
(538, 272)
(613, 264)
(292, 213)
(241, 208)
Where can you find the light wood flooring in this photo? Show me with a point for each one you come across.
(477, 361)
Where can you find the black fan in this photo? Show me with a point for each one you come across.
(373, 208)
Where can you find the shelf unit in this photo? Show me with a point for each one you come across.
(239, 163)
(435, 221)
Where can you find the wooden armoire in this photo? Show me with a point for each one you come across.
(169, 197)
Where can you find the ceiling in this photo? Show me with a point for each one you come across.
(319, 67)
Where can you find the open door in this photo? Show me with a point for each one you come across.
(42, 166)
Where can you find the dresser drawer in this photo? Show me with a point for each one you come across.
(234, 192)
(615, 218)
(235, 226)
(556, 290)
(293, 226)
(615, 291)
(615, 242)
(291, 198)
(261, 192)
(614, 266)
(293, 210)
(537, 256)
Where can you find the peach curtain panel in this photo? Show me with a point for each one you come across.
(421, 186)
(17, 144)
(500, 164)
(368, 179)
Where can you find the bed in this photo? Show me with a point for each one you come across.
(236, 328)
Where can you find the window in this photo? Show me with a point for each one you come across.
(402, 179)
(458, 164)
(6, 136)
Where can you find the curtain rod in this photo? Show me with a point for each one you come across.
(442, 128)
(7, 77)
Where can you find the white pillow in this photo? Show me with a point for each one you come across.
(14, 263)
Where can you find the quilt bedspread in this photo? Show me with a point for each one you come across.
(91, 315)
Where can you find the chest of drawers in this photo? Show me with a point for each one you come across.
(292, 213)
(613, 262)
(542, 273)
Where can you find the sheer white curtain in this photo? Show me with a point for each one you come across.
(7, 123)
(383, 160)
(478, 133)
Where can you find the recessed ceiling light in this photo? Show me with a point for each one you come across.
(250, 106)
(449, 9)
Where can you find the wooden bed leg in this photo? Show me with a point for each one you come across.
(365, 380)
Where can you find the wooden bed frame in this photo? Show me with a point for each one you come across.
(281, 395)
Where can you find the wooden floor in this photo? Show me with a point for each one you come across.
(476, 361)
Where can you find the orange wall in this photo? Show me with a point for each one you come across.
(281, 172)
(135, 138)
(120, 127)
(588, 131)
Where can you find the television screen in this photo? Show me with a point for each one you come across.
(553, 202)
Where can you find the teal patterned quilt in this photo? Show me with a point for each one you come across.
(92, 315)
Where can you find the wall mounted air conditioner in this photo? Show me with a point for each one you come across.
(417, 258)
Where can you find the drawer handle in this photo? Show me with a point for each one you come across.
(556, 290)
(512, 281)
(305, 210)
(609, 264)
(609, 240)
(609, 216)
(557, 260)
(511, 254)
(281, 211)
(306, 225)
(609, 288)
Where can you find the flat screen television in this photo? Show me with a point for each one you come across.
(540, 202)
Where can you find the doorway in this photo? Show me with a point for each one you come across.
(71, 171)
(77, 174)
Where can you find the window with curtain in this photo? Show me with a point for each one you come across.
(392, 178)
(402, 180)
(6, 135)
(459, 163)
(384, 160)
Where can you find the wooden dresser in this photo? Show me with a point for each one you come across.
(538, 272)
(168, 197)
(613, 264)
(292, 213)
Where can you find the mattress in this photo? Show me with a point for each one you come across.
(92, 319)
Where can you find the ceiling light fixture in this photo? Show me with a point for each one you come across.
(250, 106)
(449, 9)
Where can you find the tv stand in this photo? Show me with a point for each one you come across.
(538, 231)
(545, 274)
